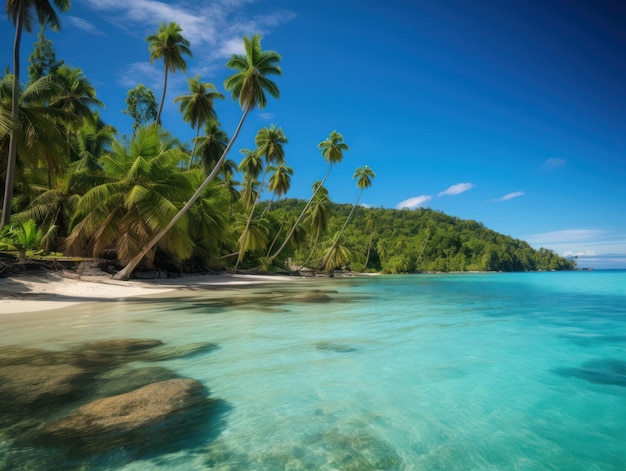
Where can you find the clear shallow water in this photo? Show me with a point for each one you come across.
(453, 372)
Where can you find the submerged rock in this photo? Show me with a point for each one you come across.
(127, 379)
(28, 386)
(148, 415)
(312, 297)
(112, 352)
(335, 347)
(170, 352)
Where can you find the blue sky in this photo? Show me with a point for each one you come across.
(512, 113)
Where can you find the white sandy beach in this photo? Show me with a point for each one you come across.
(34, 293)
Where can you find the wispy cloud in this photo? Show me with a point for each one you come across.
(508, 196)
(595, 247)
(213, 28)
(85, 25)
(457, 189)
(140, 72)
(414, 202)
(552, 164)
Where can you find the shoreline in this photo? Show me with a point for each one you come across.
(58, 290)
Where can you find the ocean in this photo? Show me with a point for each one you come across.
(490, 371)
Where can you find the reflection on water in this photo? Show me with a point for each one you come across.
(522, 371)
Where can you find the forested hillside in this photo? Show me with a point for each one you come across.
(398, 241)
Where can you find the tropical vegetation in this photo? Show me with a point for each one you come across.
(142, 199)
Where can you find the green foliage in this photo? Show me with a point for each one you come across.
(21, 236)
(401, 241)
(43, 60)
(141, 105)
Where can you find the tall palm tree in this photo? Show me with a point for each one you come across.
(269, 142)
(332, 150)
(363, 176)
(197, 107)
(248, 85)
(168, 44)
(21, 13)
(317, 218)
(279, 182)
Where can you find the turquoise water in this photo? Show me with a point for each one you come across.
(436, 372)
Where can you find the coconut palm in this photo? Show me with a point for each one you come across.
(248, 85)
(211, 146)
(317, 218)
(332, 150)
(144, 191)
(168, 44)
(21, 13)
(75, 95)
(197, 107)
(363, 176)
(279, 182)
(269, 142)
(40, 132)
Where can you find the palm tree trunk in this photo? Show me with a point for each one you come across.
(293, 229)
(15, 111)
(127, 271)
(158, 118)
(193, 151)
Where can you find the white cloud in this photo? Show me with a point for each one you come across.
(552, 163)
(587, 253)
(141, 72)
(509, 196)
(414, 202)
(457, 189)
(214, 29)
(85, 25)
(594, 246)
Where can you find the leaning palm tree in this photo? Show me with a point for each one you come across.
(363, 177)
(248, 85)
(197, 107)
(168, 44)
(21, 13)
(332, 150)
(279, 182)
(269, 142)
(317, 218)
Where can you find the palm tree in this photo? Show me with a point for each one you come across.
(332, 150)
(40, 132)
(21, 13)
(364, 177)
(279, 182)
(211, 146)
(143, 193)
(248, 86)
(317, 218)
(74, 94)
(269, 142)
(168, 44)
(197, 107)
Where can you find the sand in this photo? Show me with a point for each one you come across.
(42, 292)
